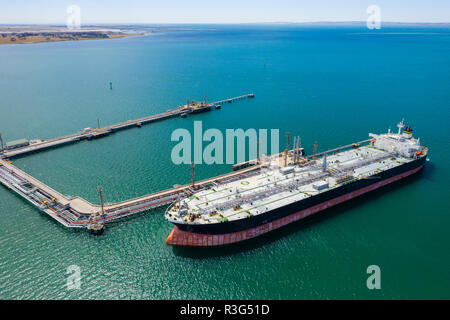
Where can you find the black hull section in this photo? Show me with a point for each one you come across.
(200, 110)
(248, 223)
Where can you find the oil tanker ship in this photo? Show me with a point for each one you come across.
(290, 187)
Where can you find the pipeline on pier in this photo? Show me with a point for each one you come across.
(94, 133)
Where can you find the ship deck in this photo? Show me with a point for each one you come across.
(273, 188)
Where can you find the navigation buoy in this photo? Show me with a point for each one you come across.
(110, 86)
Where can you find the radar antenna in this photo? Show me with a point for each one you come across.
(400, 125)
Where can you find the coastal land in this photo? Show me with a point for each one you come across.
(34, 34)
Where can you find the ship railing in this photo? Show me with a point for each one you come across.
(263, 194)
(295, 184)
(365, 162)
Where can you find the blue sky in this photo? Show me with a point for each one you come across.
(224, 11)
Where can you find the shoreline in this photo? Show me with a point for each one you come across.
(38, 34)
(16, 39)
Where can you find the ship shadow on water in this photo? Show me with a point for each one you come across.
(298, 226)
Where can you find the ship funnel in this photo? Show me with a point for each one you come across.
(407, 132)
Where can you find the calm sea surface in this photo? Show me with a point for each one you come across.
(327, 84)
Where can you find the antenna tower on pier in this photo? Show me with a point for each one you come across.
(315, 150)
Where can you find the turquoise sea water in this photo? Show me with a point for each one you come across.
(327, 84)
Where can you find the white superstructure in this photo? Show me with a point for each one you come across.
(402, 143)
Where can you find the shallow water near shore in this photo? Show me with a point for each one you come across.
(327, 84)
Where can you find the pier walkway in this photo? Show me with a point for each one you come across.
(230, 100)
(94, 133)
(75, 212)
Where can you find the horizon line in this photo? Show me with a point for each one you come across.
(218, 23)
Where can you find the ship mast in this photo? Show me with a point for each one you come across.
(400, 126)
(193, 173)
(294, 149)
(287, 149)
(299, 152)
(324, 168)
(259, 151)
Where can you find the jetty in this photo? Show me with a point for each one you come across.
(230, 100)
(94, 133)
(76, 212)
